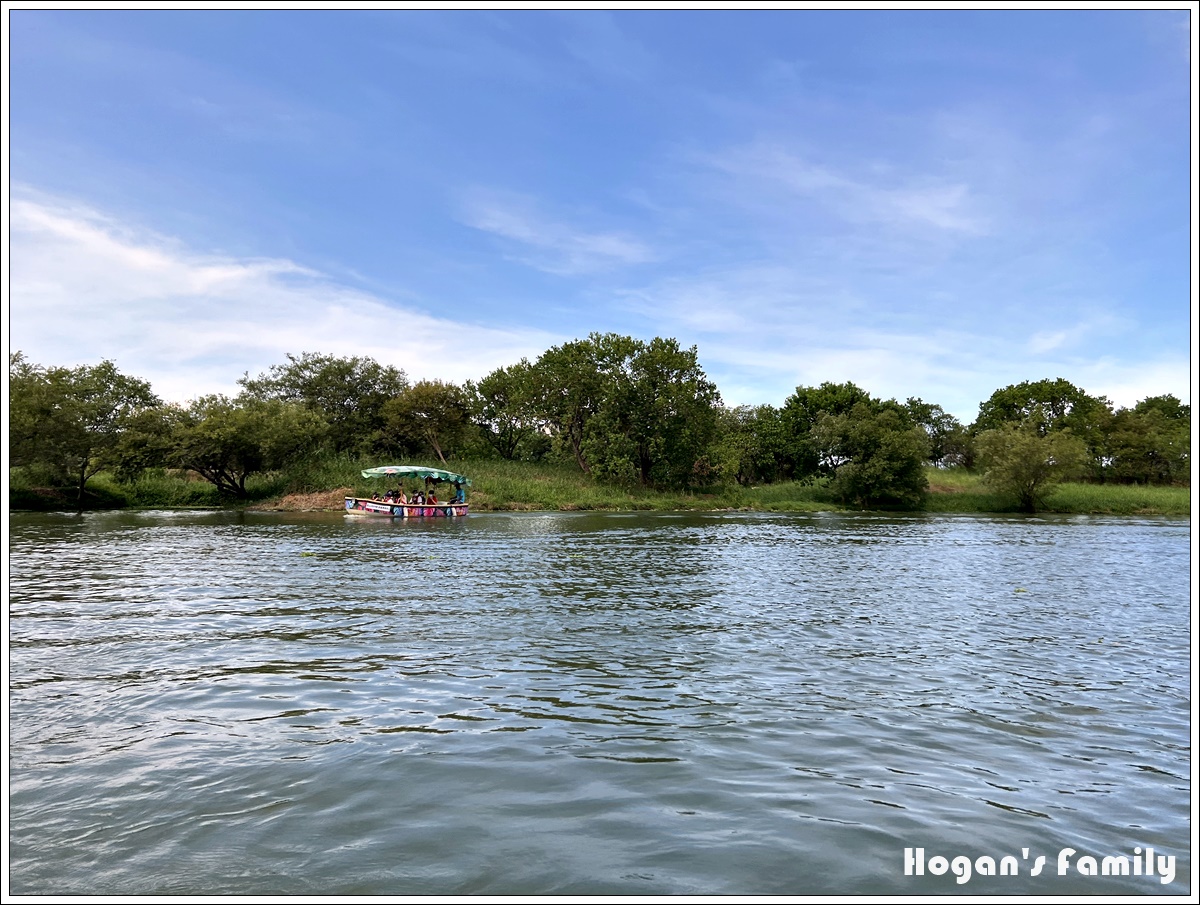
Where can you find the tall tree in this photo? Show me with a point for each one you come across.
(1150, 443)
(349, 393)
(573, 381)
(1048, 406)
(750, 444)
(72, 419)
(502, 407)
(800, 414)
(1026, 462)
(429, 412)
(226, 441)
(1057, 404)
(875, 453)
(948, 440)
(660, 417)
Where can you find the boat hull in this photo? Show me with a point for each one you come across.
(380, 509)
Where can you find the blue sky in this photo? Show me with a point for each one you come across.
(931, 204)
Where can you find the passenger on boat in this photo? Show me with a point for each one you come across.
(459, 496)
(433, 497)
(403, 497)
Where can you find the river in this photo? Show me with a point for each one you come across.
(573, 703)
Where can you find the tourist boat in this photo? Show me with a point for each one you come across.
(394, 509)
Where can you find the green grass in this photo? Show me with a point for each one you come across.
(789, 496)
(501, 485)
(958, 490)
(156, 488)
(1121, 499)
(526, 485)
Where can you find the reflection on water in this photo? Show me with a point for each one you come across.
(549, 703)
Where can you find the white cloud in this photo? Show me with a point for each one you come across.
(918, 200)
(85, 287)
(1127, 383)
(765, 329)
(546, 243)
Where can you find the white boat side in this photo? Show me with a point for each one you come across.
(381, 509)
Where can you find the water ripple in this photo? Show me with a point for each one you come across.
(585, 704)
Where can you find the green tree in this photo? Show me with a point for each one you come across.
(573, 381)
(628, 410)
(145, 443)
(750, 444)
(349, 393)
(502, 407)
(226, 441)
(1150, 443)
(1168, 406)
(948, 439)
(875, 454)
(660, 418)
(1026, 462)
(1051, 405)
(431, 413)
(800, 414)
(1057, 404)
(71, 420)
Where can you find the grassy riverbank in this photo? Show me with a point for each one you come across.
(499, 485)
(958, 490)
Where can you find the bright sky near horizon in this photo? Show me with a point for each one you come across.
(926, 203)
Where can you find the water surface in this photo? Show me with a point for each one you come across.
(252, 703)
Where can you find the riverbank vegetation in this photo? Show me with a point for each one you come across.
(609, 422)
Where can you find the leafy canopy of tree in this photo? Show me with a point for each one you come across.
(1025, 461)
(349, 393)
(949, 443)
(1051, 405)
(71, 420)
(800, 414)
(622, 409)
(571, 384)
(226, 441)
(1150, 443)
(628, 410)
(877, 455)
(751, 444)
(502, 407)
(429, 413)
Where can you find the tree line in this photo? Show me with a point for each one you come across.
(621, 409)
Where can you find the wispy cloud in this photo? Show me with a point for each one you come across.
(764, 329)
(85, 287)
(547, 243)
(596, 40)
(897, 200)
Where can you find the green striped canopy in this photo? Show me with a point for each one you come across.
(415, 471)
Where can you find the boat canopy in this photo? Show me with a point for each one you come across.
(415, 471)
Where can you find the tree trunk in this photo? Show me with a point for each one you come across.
(577, 448)
(82, 483)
